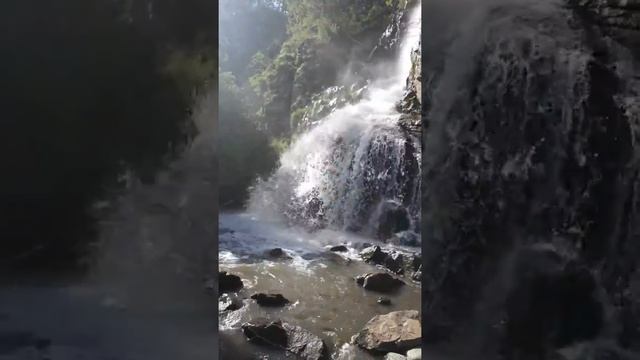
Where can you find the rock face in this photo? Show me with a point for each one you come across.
(380, 282)
(397, 331)
(618, 18)
(229, 283)
(538, 148)
(290, 338)
(270, 300)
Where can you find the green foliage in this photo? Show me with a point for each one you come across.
(85, 95)
(244, 152)
(190, 71)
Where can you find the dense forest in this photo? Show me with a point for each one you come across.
(91, 89)
(276, 57)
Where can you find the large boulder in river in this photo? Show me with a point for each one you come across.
(380, 282)
(397, 331)
(374, 255)
(286, 337)
(229, 283)
(278, 254)
(270, 300)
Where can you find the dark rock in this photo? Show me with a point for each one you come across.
(398, 331)
(339, 248)
(380, 282)
(270, 300)
(417, 276)
(278, 253)
(383, 301)
(304, 344)
(290, 338)
(270, 334)
(395, 262)
(373, 254)
(229, 302)
(229, 283)
(393, 218)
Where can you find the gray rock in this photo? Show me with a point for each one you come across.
(270, 300)
(380, 282)
(397, 331)
(394, 356)
(287, 337)
(395, 262)
(373, 254)
(383, 301)
(414, 354)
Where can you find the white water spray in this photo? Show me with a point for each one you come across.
(338, 172)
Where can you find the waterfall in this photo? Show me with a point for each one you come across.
(351, 166)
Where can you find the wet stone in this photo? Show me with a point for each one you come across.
(383, 301)
(270, 300)
(229, 283)
(339, 248)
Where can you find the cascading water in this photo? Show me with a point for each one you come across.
(339, 172)
(334, 186)
(530, 156)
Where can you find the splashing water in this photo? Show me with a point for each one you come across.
(338, 173)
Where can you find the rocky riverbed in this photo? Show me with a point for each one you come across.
(321, 295)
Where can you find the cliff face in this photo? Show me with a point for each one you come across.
(411, 103)
(531, 219)
(619, 19)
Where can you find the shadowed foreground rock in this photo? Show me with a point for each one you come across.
(229, 283)
(397, 331)
(287, 337)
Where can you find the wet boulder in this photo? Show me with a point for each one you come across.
(380, 282)
(339, 248)
(271, 334)
(397, 331)
(414, 354)
(286, 337)
(278, 254)
(229, 283)
(383, 301)
(373, 255)
(270, 300)
(395, 262)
